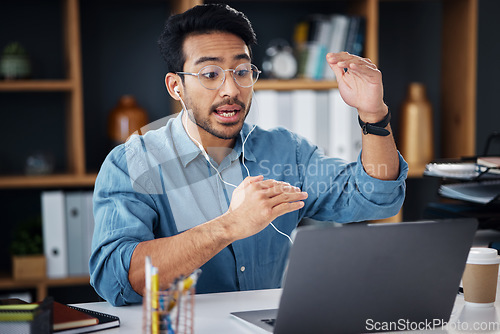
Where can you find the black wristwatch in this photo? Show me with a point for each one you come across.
(376, 128)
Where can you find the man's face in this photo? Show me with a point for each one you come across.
(219, 113)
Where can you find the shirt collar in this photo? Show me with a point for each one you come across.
(188, 151)
(185, 147)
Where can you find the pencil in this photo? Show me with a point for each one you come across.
(155, 323)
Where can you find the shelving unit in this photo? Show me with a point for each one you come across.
(458, 93)
(36, 86)
(295, 84)
(41, 286)
(458, 87)
(48, 181)
(72, 87)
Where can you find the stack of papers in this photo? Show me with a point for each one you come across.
(462, 170)
(457, 170)
(476, 192)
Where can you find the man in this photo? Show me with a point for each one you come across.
(208, 190)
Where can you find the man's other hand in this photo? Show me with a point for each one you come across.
(257, 202)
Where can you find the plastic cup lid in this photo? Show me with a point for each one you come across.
(482, 255)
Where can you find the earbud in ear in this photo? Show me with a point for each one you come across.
(176, 90)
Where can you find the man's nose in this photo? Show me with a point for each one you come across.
(229, 87)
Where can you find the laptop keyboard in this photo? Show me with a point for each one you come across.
(270, 322)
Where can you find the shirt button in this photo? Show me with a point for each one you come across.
(242, 268)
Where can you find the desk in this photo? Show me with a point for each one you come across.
(212, 313)
(41, 285)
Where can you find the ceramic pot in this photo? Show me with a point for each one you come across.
(126, 118)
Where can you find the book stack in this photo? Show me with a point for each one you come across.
(322, 117)
(19, 317)
(489, 164)
(67, 225)
(49, 316)
(74, 320)
(320, 34)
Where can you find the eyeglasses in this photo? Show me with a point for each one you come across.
(212, 76)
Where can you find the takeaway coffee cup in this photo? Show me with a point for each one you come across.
(480, 277)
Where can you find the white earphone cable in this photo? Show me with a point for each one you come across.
(205, 154)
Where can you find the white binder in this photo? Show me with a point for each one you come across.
(75, 233)
(54, 233)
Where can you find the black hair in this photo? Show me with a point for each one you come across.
(202, 19)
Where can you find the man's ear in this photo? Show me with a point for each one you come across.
(173, 84)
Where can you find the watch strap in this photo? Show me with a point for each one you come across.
(376, 128)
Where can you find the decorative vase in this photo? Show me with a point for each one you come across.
(126, 118)
(416, 140)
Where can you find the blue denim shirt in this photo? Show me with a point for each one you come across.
(159, 184)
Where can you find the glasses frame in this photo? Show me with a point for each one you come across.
(224, 77)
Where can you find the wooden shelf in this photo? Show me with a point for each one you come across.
(36, 85)
(55, 180)
(41, 285)
(294, 84)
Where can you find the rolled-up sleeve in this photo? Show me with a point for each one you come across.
(123, 217)
(344, 192)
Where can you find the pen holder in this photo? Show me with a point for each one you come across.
(168, 312)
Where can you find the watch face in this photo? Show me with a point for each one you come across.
(284, 65)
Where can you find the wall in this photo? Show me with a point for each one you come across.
(488, 85)
(120, 56)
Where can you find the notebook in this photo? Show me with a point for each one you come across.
(104, 321)
(356, 278)
(66, 317)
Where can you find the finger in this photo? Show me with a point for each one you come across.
(270, 183)
(338, 71)
(288, 197)
(363, 66)
(285, 208)
(333, 58)
(276, 188)
(359, 61)
(372, 75)
(279, 186)
(368, 62)
(252, 179)
(279, 190)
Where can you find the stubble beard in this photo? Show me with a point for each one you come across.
(205, 124)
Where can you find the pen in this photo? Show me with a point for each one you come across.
(181, 285)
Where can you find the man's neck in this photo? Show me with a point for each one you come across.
(217, 148)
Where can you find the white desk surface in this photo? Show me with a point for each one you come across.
(212, 311)
(212, 314)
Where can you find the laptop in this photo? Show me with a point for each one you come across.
(364, 277)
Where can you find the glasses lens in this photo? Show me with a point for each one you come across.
(211, 76)
(246, 75)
